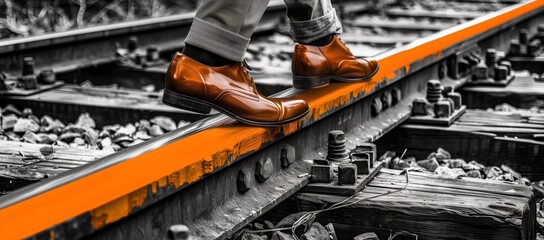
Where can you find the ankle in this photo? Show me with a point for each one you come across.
(205, 57)
(321, 41)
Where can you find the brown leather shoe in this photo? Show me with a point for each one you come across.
(193, 86)
(314, 66)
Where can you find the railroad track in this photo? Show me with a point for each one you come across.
(138, 192)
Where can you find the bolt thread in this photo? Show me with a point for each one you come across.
(336, 148)
(491, 57)
(132, 44)
(433, 95)
(152, 53)
(28, 66)
(524, 36)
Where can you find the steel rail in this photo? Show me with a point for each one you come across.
(176, 160)
(9, 46)
(65, 51)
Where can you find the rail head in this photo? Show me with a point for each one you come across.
(96, 32)
(124, 182)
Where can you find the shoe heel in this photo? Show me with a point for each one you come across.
(181, 101)
(308, 82)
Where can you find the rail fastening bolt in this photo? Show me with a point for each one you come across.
(132, 44)
(263, 169)
(524, 36)
(179, 232)
(287, 155)
(28, 66)
(243, 181)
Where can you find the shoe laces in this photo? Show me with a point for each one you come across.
(342, 41)
(346, 46)
(247, 69)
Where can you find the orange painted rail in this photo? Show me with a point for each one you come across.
(114, 192)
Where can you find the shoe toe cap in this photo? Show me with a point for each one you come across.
(294, 108)
(372, 63)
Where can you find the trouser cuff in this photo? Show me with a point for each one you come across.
(311, 30)
(217, 40)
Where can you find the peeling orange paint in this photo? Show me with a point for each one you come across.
(189, 159)
(154, 187)
(291, 128)
(163, 182)
(322, 106)
(117, 208)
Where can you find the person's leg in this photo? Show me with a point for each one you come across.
(321, 55)
(211, 74)
(222, 29)
(312, 20)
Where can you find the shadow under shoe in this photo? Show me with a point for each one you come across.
(193, 86)
(315, 66)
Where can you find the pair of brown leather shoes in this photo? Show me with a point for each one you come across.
(230, 89)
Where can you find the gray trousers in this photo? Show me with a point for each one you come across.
(224, 27)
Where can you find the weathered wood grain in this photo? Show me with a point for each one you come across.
(434, 208)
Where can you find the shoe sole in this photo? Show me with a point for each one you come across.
(309, 82)
(192, 104)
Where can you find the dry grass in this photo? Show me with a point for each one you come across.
(34, 17)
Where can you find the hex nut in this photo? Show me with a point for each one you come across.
(508, 65)
(481, 73)
(244, 181)
(30, 82)
(47, 76)
(287, 155)
(396, 96)
(363, 161)
(363, 166)
(515, 47)
(457, 99)
(419, 107)
(264, 169)
(501, 73)
(387, 99)
(321, 171)
(347, 173)
(442, 109)
(179, 232)
(375, 107)
(366, 148)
